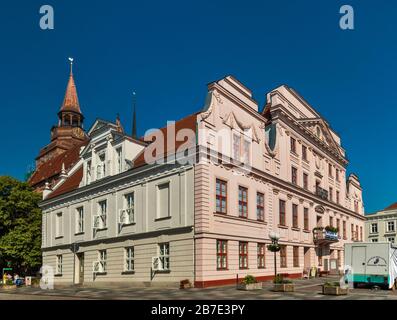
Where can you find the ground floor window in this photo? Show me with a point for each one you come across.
(320, 257)
(296, 256)
(261, 255)
(221, 254)
(59, 262)
(164, 256)
(283, 257)
(129, 259)
(339, 259)
(103, 259)
(243, 255)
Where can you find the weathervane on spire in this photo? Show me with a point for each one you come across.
(71, 65)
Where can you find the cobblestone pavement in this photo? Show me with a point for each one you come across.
(304, 290)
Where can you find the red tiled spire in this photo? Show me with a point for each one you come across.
(71, 101)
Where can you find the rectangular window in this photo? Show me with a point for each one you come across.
(58, 225)
(374, 240)
(305, 181)
(337, 174)
(260, 206)
(374, 228)
(283, 257)
(59, 264)
(390, 226)
(304, 152)
(100, 221)
(361, 233)
(331, 191)
(356, 235)
(295, 216)
(337, 197)
(88, 172)
(294, 175)
(296, 256)
(243, 202)
(236, 147)
(128, 212)
(101, 167)
(243, 255)
(119, 160)
(163, 200)
(102, 255)
(129, 259)
(306, 218)
(330, 170)
(221, 254)
(246, 151)
(221, 196)
(331, 221)
(352, 231)
(390, 240)
(339, 259)
(261, 255)
(320, 257)
(282, 212)
(338, 224)
(344, 230)
(293, 145)
(164, 255)
(80, 220)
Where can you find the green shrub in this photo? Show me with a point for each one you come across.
(249, 280)
(280, 280)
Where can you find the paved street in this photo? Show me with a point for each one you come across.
(304, 290)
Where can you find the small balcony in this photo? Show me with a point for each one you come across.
(324, 236)
(322, 193)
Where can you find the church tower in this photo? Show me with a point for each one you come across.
(69, 132)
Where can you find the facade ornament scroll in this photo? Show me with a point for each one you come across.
(215, 99)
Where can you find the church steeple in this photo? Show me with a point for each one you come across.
(70, 114)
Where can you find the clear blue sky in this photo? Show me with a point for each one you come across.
(167, 51)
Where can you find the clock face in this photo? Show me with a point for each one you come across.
(78, 132)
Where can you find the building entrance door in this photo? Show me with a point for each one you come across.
(306, 253)
(80, 268)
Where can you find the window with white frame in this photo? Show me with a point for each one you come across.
(236, 146)
(246, 151)
(59, 261)
(100, 220)
(390, 226)
(128, 212)
(374, 228)
(102, 255)
(163, 200)
(390, 240)
(119, 160)
(88, 172)
(80, 220)
(129, 259)
(164, 255)
(101, 167)
(58, 225)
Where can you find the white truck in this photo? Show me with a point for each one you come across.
(371, 263)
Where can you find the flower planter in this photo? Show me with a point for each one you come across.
(335, 291)
(185, 284)
(250, 287)
(284, 287)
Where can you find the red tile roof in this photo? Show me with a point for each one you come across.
(391, 207)
(70, 184)
(53, 167)
(186, 123)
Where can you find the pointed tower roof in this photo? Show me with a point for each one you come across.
(71, 101)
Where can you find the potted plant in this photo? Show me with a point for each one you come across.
(185, 284)
(283, 285)
(9, 284)
(250, 283)
(334, 289)
(331, 229)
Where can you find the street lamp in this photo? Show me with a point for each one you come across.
(274, 247)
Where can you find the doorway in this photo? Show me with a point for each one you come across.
(79, 276)
(307, 262)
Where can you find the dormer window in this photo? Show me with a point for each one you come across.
(88, 172)
(101, 167)
(119, 160)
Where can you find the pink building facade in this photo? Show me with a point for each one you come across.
(279, 170)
